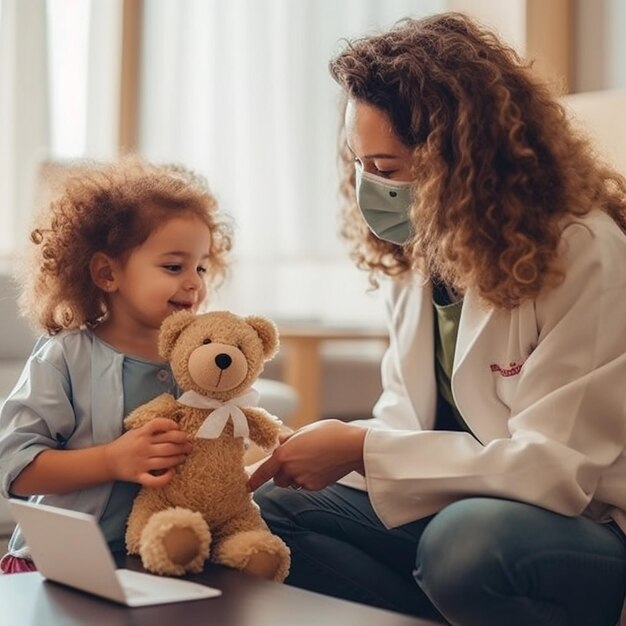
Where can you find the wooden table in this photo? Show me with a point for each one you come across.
(28, 600)
(301, 346)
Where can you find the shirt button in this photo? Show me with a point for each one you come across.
(163, 375)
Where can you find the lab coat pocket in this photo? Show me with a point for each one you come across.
(507, 377)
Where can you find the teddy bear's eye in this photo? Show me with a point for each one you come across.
(205, 341)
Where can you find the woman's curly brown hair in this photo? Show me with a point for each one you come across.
(110, 208)
(499, 170)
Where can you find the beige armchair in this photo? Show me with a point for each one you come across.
(602, 114)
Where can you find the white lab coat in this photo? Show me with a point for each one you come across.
(542, 388)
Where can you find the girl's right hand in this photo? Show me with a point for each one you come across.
(148, 454)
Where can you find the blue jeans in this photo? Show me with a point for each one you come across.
(479, 562)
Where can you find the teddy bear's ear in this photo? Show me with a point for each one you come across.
(268, 333)
(171, 328)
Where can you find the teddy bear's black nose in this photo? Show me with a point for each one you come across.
(223, 361)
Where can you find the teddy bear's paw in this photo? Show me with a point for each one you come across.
(263, 565)
(257, 552)
(175, 541)
(181, 545)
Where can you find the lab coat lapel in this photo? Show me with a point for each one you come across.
(412, 332)
(480, 327)
(475, 315)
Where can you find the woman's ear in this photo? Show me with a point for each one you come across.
(101, 268)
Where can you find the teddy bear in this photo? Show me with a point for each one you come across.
(206, 510)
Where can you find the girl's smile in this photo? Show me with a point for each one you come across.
(163, 275)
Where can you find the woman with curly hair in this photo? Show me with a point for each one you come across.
(122, 247)
(489, 485)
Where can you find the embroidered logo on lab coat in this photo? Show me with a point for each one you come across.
(512, 370)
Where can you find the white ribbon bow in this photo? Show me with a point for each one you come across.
(215, 421)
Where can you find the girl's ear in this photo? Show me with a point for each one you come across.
(101, 268)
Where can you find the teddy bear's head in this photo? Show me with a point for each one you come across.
(217, 354)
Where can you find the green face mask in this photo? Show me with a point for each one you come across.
(385, 206)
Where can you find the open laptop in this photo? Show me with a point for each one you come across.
(69, 548)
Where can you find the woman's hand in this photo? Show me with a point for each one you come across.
(314, 456)
(148, 454)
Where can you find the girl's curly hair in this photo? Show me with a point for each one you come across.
(498, 167)
(110, 208)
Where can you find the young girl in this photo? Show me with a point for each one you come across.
(124, 246)
(491, 482)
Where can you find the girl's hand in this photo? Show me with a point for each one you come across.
(148, 454)
(314, 456)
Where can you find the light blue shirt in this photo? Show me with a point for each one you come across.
(71, 394)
